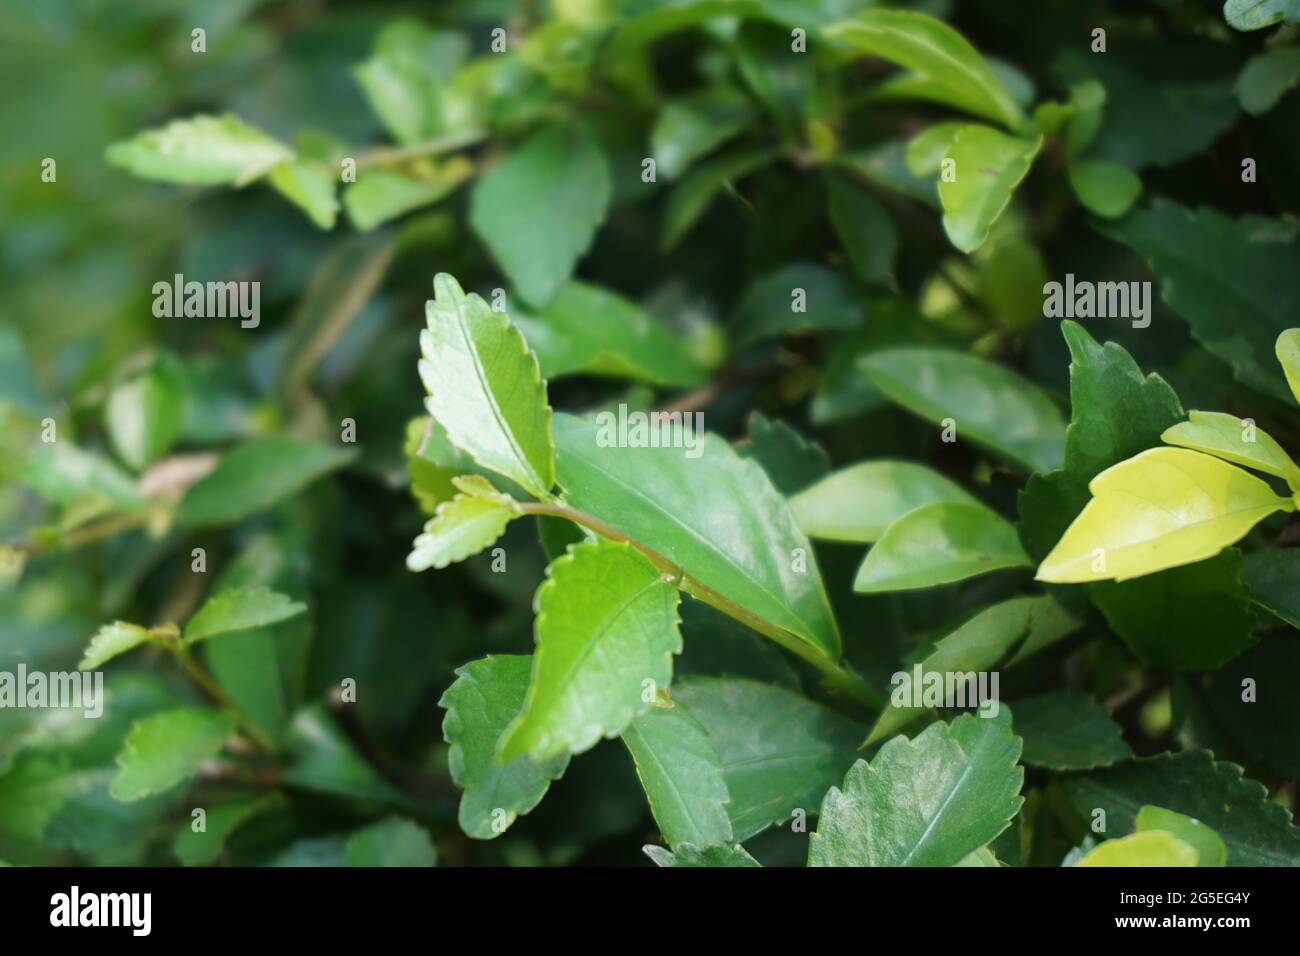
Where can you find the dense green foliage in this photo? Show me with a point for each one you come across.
(627, 412)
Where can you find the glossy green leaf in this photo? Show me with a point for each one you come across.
(1258, 14)
(859, 502)
(310, 186)
(403, 80)
(689, 855)
(1273, 578)
(976, 646)
(485, 388)
(256, 475)
(1068, 731)
(589, 330)
(987, 167)
(110, 641)
(238, 610)
(925, 150)
(144, 414)
(790, 460)
(461, 527)
(864, 228)
(1287, 349)
(1267, 77)
(1193, 617)
(1105, 188)
(607, 630)
(539, 209)
(1163, 508)
(939, 543)
(779, 751)
(391, 842)
(1232, 281)
(379, 195)
(1152, 848)
(697, 190)
(1256, 830)
(929, 801)
(203, 847)
(1229, 438)
(714, 515)
(206, 150)
(1116, 412)
(692, 126)
(486, 697)
(955, 73)
(162, 750)
(1209, 846)
(682, 776)
(990, 404)
(64, 473)
(324, 760)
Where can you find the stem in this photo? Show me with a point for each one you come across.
(388, 155)
(204, 680)
(837, 676)
(89, 534)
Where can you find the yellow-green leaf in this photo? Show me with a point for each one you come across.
(1161, 509)
(986, 168)
(1234, 440)
(1288, 356)
(1148, 848)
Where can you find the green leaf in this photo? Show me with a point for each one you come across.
(1067, 731)
(207, 150)
(1258, 14)
(485, 388)
(977, 645)
(954, 72)
(238, 610)
(779, 750)
(144, 414)
(1229, 438)
(66, 474)
(1287, 349)
(682, 776)
(203, 847)
(590, 330)
(606, 631)
(864, 228)
(987, 168)
(1163, 508)
(1273, 579)
(325, 761)
(391, 842)
(790, 460)
(256, 475)
(486, 697)
(798, 297)
(1153, 848)
(1116, 413)
(694, 194)
(715, 515)
(692, 126)
(539, 209)
(989, 403)
(686, 854)
(461, 527)
(930, 801)
(162, 750)
(1256, 830)
(112, 640)
(379, 195)
(940, 543)
(1194, 617)
(1106, 188)
(1266, 77)
(1209, 846)
(925, 150)
(311, 187)
(1253, 699)
(859, 502)
(403, 80)
(1233, 281)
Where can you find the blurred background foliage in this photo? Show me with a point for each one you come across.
(341, 313)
